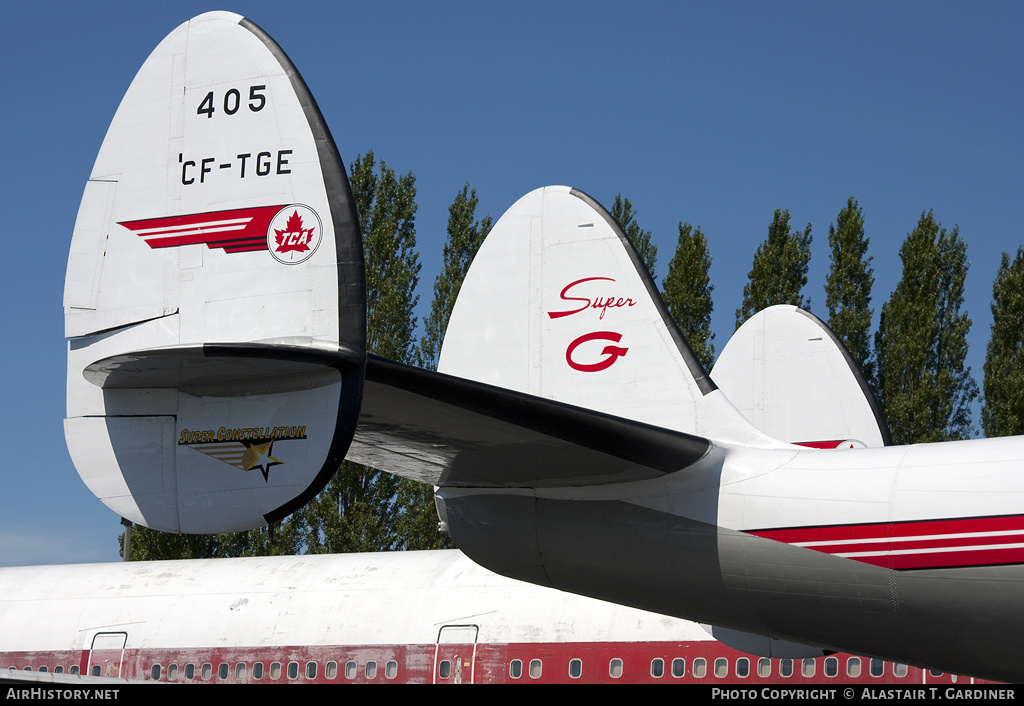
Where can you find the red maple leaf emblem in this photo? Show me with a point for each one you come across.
(294, 238)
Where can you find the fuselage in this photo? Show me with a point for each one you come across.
(433, 617)
(907, 553)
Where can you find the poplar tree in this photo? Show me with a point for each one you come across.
(357, 510)
(465, 236)
(848, 287)
(779, 272)
(687, 289)
(1003, 411)
(921, 343)
(622, 211)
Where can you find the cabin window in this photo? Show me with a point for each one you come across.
(764, 667)
(615, 668)
(899, 670)
(293, 670)
(222, 670)
(97, 670)
(172, 671)
(700, 667)
(444, 669)
(43, 669)
(678, 667)
(190, 671)
(154, 672)
(786, 668)
(275, 670)
(74, 669)
(206, 671)
(257, 670)
(831, 667)
(390, 669)
(350, 670)
(536, 668)
(310, 670)
(877, 667)
(853, 667)
(657, 667)
(371, 670)
(935, 673)
(515, 668)
(721, 667)
(240, 671)
(743, 667)
(59, 669)
(331, 670)
(575, 668)
(807, 667)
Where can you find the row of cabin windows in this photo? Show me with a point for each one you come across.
(787, 668)
(720, 669)
(351, 671)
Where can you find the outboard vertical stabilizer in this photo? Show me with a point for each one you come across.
(215, 298)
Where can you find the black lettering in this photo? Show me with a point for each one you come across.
(282, 163)
(184, 179)
(206, 107)
(255, 96)
(231, 101)
(204, 169)
(262, 168)
(244, 157)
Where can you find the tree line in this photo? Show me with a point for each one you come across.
(914, 362)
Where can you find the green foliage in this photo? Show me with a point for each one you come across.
(386, 205)
(848, 287)
(779, 272)
(1003, 413)
(921, 342)
(151, 545)
(465, 236)
(622, 211)
(687, 289)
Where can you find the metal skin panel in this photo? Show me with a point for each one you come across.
(390, 598)
(785, 370)
(215, 280)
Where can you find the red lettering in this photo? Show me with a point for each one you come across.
(602, 304)
(613, 353)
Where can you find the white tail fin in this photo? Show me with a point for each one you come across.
(786, 371)
(558, 304)
(214, 299)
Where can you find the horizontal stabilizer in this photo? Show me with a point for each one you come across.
(227, 369)
(453, 432)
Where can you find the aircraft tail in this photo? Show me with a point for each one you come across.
(215, 297)
(792, 377)
(558, 304)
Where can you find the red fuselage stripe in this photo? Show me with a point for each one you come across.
(923, 544)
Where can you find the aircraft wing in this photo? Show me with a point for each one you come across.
(451, 432)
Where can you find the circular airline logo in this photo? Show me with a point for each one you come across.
(294, 234)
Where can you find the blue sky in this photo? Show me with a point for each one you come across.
(712, 113)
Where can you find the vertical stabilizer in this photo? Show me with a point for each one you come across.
(558, 304)
(789, 374)
(214, 300)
